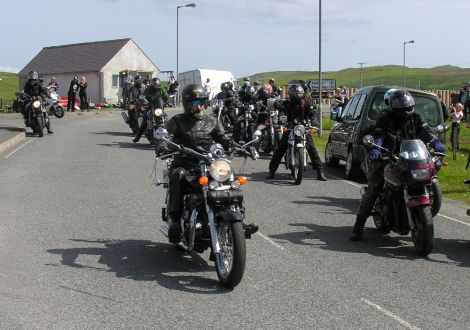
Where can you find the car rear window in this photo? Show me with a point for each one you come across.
(426, 106)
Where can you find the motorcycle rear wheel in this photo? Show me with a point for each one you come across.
(59, 111)
(230, 262)
(299, 167)
(423, 233)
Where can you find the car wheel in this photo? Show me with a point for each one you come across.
(329, 159)
(352, 167)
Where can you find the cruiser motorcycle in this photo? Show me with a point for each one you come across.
(404, 204)
(35, 113)
(213, 213)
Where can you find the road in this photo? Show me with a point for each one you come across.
(80, 249)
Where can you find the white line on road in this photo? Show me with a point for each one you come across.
(346, 181)
(270, 240)
(390, 314)
(21, 146)
(453, 219)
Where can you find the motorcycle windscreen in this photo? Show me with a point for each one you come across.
(414, 152)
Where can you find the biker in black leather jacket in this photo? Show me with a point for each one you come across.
(196, 130)
(230, 100)
(295, 108)
(33, 87)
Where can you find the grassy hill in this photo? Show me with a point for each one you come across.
(442, 77)
(8, 86)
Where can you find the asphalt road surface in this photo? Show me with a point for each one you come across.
(80, 248)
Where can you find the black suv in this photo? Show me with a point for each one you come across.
(360, 114)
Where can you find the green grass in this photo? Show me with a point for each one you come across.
(442, 77)
(8, 87)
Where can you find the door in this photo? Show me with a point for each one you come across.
(349, 119)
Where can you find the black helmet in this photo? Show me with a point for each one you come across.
(138, 80)
(224, 87)
(246, 79)
(296, 92)
(230, 85)
(271, 81)
(190, 94)
(156, 82)
(402, 103)
(32, 75)
(263, 93)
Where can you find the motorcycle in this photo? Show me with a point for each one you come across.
(296, 154)
(435, 191)
(53, 105)
(246, 123)
(156, 118)
(404, 204)
(136, 109)
(271, 128)
(220, 111)
(213, 212)
(35, 114)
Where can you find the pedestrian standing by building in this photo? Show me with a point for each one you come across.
(83, 94)
(72, 94)
(456, 115)
(207, 88)
(53, 86)
(173, 87)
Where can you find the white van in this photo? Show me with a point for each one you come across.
(199, 76)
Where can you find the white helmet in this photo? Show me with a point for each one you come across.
(387, 96)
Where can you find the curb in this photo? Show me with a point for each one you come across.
(13, 141)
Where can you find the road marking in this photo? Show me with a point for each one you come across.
(21, 146)
(270, 240)
(453, 219)
(346, 181)
(390, 314)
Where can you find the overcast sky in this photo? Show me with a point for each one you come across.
(247, 36)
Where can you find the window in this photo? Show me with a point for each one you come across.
(359, 108)
(351, 108)
(377, 106)
(116, 80)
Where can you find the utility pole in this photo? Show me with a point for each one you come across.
(361, 63)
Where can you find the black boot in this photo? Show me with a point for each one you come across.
(136, 139)
(358, 229)
(320, 175)
(174, 231)
(270, 175)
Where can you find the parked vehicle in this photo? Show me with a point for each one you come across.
(404, 204)
(213, 213)
(359, 115)
(296, 155)
(53, 105)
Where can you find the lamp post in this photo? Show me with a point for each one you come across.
(404, 58)
(361, 64)
(319, 68)
(191, 5)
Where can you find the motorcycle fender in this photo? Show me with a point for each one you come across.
(418, 200)
(299, 145)
(231, 216)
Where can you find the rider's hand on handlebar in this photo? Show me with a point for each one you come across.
(439, 147)
(374, 154)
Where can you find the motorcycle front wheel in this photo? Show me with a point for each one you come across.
(230, 262)
(423, 232)
(40, 126)
(298, 168)
(59, 111)
(435, 195)
(379, 215)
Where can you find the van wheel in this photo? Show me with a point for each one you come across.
(329, 159)
(352, 167)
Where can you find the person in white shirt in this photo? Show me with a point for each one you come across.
(207, 88)
(456, 116)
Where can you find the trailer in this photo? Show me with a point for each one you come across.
(199, 76)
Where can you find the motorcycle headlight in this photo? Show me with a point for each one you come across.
(158, 112)
(36, 104)
(220, 170)
(299, 130)
(420, 174)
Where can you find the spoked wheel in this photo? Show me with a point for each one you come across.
(230, 262)
(59, 111)
(299, 166)
(423, 233)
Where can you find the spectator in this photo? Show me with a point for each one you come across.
(72, 94)
(256, 85)
(275, 90)
(53, 86)
(466, 104)
(146, 81)
(339, 100)
(345, 95)
(83, 95)
(456, 115)
(207, 88)
(126, 84)
(173, 87)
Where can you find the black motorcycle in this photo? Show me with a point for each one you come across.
(213, 213)
(35, 113)
(220, 111)
(136, 109)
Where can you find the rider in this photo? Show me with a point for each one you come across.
(399, 122)
(135, 91)
(295, 108)
(246, 97)
(156, 96)
(230, 100)
(33, 87)
(196, 130)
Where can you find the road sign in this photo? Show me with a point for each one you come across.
(329, 84)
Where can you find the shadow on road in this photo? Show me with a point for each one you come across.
(337, 239)
(340, 205)
(128, 145)
(143, 260)
(129, 134)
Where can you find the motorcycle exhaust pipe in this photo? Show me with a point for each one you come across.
(164, 229)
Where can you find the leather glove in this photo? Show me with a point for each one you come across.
(439, 147)
(374, 154)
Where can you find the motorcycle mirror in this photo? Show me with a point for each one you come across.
(257, 134)
(161, 133)
(368, 140)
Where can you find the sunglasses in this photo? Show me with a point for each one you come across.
(198, 102)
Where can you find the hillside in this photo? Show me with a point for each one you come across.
(442, 77)
(8, 86)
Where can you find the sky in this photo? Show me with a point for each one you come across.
(247, 36)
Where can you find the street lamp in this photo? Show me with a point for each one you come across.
(191, 5)
(404, 58)
(361, 64)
